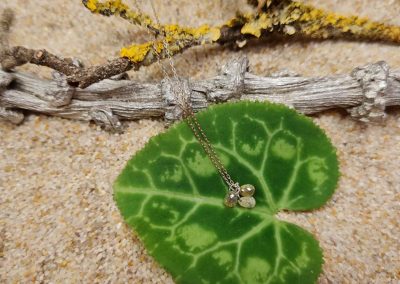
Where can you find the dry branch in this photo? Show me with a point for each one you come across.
(365, 93)
(291, 19)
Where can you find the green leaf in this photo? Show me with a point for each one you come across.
(172, 196)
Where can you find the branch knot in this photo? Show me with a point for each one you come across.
(169, 91)
(373, 79)
(61, 94)
(230, 83)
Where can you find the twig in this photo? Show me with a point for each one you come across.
(19, 55)
(365, 93)
(284, 17)
(76, 76)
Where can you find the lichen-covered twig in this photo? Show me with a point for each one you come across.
(286, 17)
(291, 19)
(365, 93)
(109, 8)
(178, 38)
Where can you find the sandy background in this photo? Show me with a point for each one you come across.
(58, 222)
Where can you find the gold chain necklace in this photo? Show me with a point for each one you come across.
(243, 195)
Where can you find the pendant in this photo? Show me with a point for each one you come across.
(244, 196)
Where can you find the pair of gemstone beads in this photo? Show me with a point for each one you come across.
(243, 197)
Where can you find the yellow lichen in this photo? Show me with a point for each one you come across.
(92, 5)
(232, 22)
(256, 26)
(320, 24)
(214, 34)
(171, 29)
(251, 28)
(175, 32)
(176, 38)
(121, 9)
(159, 47)
(113, 6)
(201, 31)
(137, 52)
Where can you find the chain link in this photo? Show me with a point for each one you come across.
(187, 109)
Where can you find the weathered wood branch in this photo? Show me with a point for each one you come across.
(365, 93)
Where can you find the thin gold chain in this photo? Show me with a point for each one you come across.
(188, 113)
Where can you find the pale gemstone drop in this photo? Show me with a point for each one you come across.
(247, 202)
(230, 200)
(247, 190)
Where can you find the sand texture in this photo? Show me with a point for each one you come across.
(58, 220)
